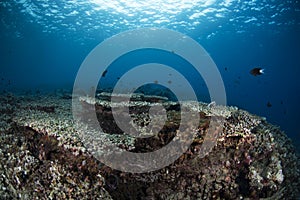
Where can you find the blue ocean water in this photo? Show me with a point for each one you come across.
(43, 44)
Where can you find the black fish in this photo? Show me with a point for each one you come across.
(104, 73)
(257, 71)
(269, 104)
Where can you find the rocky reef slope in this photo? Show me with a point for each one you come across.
(43, 156)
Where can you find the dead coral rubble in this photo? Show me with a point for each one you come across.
(43, 157)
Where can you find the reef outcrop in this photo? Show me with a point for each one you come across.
(43, 156)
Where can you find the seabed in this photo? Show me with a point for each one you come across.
(43, 155)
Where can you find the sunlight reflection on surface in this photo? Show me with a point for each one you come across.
(96, 19)
(153, 6)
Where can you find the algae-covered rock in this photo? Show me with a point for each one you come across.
(43, 156)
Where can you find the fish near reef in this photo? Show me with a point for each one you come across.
(257, 71)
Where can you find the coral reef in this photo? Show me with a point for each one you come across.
(43, 156)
